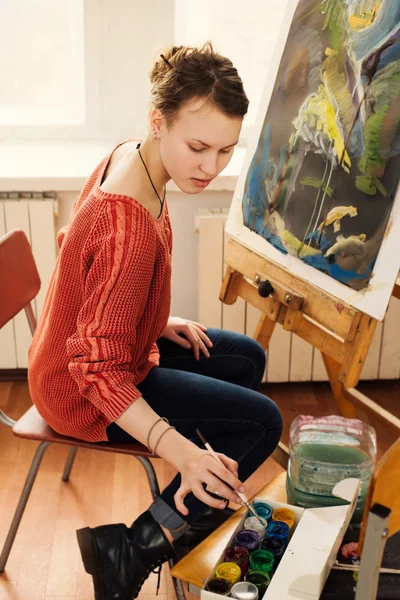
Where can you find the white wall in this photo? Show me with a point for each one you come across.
(133, 35)
(182, 208)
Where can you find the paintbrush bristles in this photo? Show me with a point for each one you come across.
(254, 513)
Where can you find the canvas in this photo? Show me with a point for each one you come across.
(318, 192)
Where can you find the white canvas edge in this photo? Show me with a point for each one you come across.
(373, 300)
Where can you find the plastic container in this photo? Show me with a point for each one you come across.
(240, 556)
(247, 539)
(230, 571)
(261, 580)
(279, 531)
(262, 560)
(276, 546)
(285, 515)
(253, 524)
(244, 590)
(263, 510)
(322, 452)
(218, 585)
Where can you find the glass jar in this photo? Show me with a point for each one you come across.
(322, 452)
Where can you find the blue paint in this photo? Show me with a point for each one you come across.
(318, 261)
(325, 242)
(386, 21)
(256, 195)
(390, 54)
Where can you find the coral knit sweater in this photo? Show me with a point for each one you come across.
(107, 304)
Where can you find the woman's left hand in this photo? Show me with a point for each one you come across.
(188, 334)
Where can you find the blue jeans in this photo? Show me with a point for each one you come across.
(218, 396)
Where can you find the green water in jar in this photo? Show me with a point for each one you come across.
(315, 468)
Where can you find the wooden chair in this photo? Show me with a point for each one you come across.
(20, 283)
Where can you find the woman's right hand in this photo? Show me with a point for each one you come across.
(200, 467)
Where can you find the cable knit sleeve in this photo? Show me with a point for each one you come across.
(117, 270)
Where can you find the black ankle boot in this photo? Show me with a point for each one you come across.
(120, 558)
(200, 529)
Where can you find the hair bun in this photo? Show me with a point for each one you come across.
(164, 63)
(182, 73)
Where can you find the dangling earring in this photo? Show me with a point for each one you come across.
(155, 134)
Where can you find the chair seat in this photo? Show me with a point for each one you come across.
(31, 426)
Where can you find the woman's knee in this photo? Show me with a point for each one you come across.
(267, 413)
(238, 344)
(258, 354)
(255, 353)
(274, 420)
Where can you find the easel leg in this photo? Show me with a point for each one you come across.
(346, 408)
(262, 335)
(264, 330)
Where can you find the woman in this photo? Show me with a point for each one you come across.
(107, 359)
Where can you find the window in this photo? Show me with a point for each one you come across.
(42, 63)
(246, 32)
(50, 60)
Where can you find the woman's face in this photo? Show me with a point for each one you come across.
(198, 145)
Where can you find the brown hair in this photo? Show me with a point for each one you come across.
(182, 73)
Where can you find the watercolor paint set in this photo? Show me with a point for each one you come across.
(288, 559)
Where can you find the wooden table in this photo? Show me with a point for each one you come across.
(196, 566)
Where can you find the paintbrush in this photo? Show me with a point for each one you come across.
(242, 497)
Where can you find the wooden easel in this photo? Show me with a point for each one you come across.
(342, 334)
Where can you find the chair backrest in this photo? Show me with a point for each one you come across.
(19, 277)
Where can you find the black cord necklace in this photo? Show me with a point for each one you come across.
(151, 181)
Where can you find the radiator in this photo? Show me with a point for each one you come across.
(289, 358)
(34, 213)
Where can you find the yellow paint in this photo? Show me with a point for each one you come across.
(365, 19)
(338, 213)
(336, 86)
(320, 116)
(330, 52)
(294, 246)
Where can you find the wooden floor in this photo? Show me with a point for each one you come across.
(44, 563)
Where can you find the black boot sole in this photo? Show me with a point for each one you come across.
(91, 559)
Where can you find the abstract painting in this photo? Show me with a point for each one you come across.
(319, 189)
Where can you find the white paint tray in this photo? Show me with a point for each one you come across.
(311, 552)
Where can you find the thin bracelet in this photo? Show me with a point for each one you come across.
(159, 439)
(151, 429)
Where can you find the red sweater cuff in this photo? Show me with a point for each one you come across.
(118, 403)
